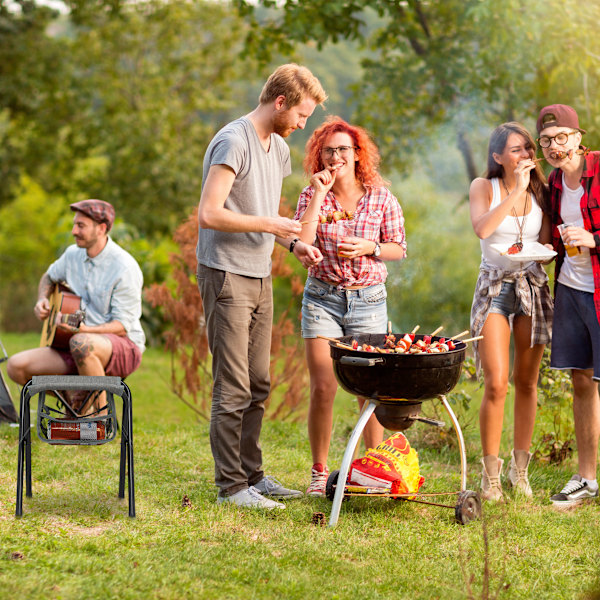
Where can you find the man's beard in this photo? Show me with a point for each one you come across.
(281, 125)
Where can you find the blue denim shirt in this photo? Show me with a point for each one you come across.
(110, 286)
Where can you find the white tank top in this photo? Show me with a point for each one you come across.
(507, 232)
(576, 271)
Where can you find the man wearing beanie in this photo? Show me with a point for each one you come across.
(110, 340)
(575, 212)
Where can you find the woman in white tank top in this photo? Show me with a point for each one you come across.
(508, 206)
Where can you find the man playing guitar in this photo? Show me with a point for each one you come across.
(109, 282)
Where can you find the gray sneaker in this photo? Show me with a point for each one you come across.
(250, 498)
(574, 492)
(269, 486)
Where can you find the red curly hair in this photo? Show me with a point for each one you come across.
(367, 153)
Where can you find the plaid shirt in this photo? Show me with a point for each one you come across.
(378, 217)
(590, 210)
(532, 292)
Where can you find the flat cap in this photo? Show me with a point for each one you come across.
(97, 210)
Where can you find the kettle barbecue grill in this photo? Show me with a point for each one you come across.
(394, 386)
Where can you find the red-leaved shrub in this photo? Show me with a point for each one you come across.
(180, 306)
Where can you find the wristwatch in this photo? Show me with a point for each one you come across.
(377, 250)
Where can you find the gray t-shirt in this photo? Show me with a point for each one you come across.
(256, 190)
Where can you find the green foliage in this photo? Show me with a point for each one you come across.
(466, 63)
(555, 430)
(434, 285)
(32, 229)
(120, 103)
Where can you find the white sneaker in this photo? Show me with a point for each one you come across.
(250, 498)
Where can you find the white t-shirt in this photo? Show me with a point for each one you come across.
(507, 233)
(576, 271)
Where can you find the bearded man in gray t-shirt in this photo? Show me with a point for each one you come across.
(239, 222)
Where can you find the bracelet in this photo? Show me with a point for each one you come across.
(293, 244)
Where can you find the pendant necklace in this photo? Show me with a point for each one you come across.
(518, 245)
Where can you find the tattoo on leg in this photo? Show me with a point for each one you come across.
(81, 347)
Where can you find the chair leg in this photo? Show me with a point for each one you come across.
(123, 465)
(28, 491)
(130, 454)
(19, 505)
(23, 430)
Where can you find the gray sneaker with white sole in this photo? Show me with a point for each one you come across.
(269, 486)
(574, 492)
(250, 498)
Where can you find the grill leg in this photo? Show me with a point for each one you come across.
(461, 444)
(368, 409)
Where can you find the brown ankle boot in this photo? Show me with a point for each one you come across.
(491, 488)
(517, 473)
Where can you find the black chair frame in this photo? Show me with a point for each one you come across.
(56, 384)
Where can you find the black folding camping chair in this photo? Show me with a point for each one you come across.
(59, 424)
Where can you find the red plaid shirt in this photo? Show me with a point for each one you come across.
(590, 210)
(378, 217)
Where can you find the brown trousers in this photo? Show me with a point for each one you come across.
(239, 318)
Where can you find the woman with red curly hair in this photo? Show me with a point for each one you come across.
(357, 223)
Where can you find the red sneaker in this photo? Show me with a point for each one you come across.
(318, 480)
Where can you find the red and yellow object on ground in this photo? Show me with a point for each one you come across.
(393, 465)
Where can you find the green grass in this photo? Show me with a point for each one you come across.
(76, 541)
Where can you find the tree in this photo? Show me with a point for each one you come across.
(468, 63)
(29, 77)
(118, 100)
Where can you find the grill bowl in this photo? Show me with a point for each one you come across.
(393, 378)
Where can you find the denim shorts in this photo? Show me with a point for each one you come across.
(575, 331)
(332, 312)
(506, 302)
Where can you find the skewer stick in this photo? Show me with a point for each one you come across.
(415, 329)
(479, 337)
(344, 346)
(436, 330)
(389, 328)
(459, 335)
(307, 222)
(329, 339)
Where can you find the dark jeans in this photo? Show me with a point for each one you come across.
(239, 317)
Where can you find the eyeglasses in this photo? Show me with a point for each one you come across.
(561, 139)
(341, 150)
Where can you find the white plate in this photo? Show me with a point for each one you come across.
(531, 251)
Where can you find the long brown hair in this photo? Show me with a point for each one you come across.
(537, 179)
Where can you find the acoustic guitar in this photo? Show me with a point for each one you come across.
(65, 307)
